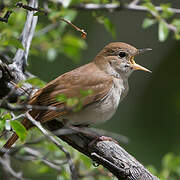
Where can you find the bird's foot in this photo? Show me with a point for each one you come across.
(105, 138)
(101, 138)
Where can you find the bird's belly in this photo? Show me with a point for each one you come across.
(97, 112)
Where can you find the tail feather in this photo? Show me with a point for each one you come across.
(8, 144)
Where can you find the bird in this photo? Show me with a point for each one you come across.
(106, 76)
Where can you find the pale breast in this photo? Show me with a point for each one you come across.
(100, 111)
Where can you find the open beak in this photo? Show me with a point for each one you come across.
(137, 66)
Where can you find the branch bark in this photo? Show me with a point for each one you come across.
(107, 153)
(15, 71)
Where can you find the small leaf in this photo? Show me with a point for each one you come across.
(38, 13)
(2, 124)
(54, 15)
(177, 36)
(61, 98)
(85, 93)
(163, 31)
(7, 116)
(110, 27)
(150, 6)
(78, 107)
(72, 102)
(19, 129)
(36, 82)
(72, 46)
(13, 42)
(176, 22)
(148, 22)
(166, 11)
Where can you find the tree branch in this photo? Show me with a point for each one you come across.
(5, 162)
(108, 153)
(117, 7)
(6, 17)
(15, 71)
(52, 139)
(20, 59)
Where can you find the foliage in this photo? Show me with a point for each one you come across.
(54, 37)
(164, 19)
(19, 129)
(74, 103)
(170, 167)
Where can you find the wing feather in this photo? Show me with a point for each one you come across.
(87, 77)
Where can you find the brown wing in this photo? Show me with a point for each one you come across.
(83, 78)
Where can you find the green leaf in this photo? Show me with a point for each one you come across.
(54, 15)
(7, 116)
(13, 42)
(85, 93)
(78, 107)
(52, 5)
(150, 6)
(19, 129)
(2, 124)
(72, 102)
(61, 98)
(152, 169)
(148, 22)
(36, 82)
(176, 22)
(110, 27)
(72, 46)
(163, 31)
(177, 36)
(166, 12)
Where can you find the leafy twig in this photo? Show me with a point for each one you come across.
(6, 16)
(6, 164)
(29, 8)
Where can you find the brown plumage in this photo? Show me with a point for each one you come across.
(70, 84)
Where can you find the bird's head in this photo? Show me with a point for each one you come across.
(118, 59)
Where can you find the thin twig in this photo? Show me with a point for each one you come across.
(142, 8)
(6, 164)
(83, 33)
(20, 58)
(6, 17)
(10, 107)
(36, 155)
(29, 8)
(52, 139)
(117, 7)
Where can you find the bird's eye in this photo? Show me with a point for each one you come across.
(126, 65)
(122, 54)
